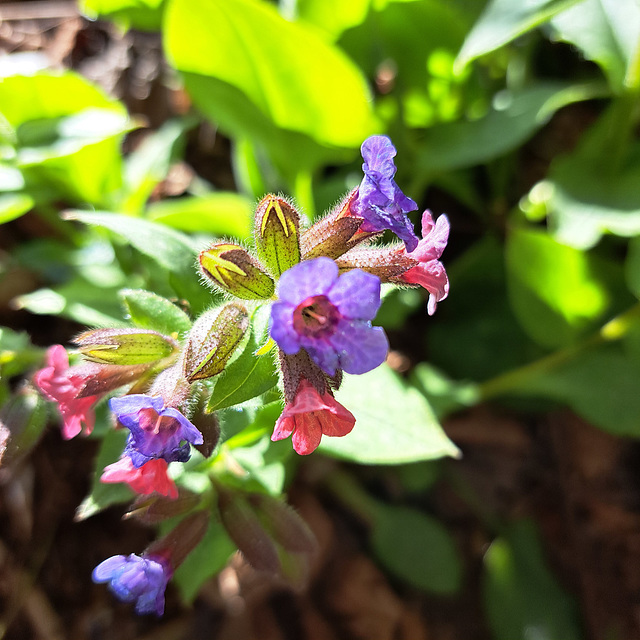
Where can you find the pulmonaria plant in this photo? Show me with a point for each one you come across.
(319, 286)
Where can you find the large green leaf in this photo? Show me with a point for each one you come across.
(607, 32)
(13, 205)
(416, 548)
(394, 422)
(333, 16)
(512, 119)
(556, 291)
(600, 384)
(151, 311)
(294, 78)
(504, 20)
(522, 598)
(222, 213)
(170, 249)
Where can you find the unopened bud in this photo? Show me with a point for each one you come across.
(233, 269)
(154, 509)
(329, 237)
(125, 346)
(213, 339)
(276, 228)
(247, 532)
(182, 540)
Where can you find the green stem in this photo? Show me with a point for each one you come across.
(516, 379)
(351, 494)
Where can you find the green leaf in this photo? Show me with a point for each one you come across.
(297, 80)
(607, 32)
(555, 290)
(17, 354)
(252, 373)
(150, 163)
(67, 134)
(394, 423)
(145, 15)
(600, 384)
(512, 119)
(104, 495)
(503, 21)
(206, 560)
(170, 249)
(151, 311)
(522, 598)
(333, 16)
(416, 548)
(13, 205)
(223, 213)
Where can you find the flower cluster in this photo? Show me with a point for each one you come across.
(322, 286)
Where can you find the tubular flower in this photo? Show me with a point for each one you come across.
(63, 384)
(132, 578)
(310, 416)
(151, 476)
(430, 272)
(329, 315)
(379, 199)
(156, 431)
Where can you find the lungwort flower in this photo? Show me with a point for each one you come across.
(132, 578)
(149, 478)
(156, 431)
(329, 315)
(379, 199)
(430, 272)
(310, 416)
(64, 385)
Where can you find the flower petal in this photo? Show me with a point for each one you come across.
(281, 327)
(307, 434)
(308, 278)
(360, 346)
(356, 294)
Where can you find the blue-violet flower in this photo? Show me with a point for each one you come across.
(329, 315)
(156, 431)
(135, 579)
(379, 199)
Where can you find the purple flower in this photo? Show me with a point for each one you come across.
(135, 579)
(156, 431)
(329, 316)
(379, 199)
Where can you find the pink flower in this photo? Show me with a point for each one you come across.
(310, 416)
(151, 476)
(64, 384)
(430, 272)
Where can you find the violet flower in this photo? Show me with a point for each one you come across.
(156, 431)
(329, 315)
(310, 416)
(379, 199)
(132, 578)
(430, 272)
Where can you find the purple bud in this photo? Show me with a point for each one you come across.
(132, 578)
(379, 199)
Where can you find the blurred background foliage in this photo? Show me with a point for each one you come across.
(517, 119)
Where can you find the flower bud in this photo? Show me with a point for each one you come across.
(247, 532)
(125, 346)
(213, 339)
(276, 230)
(155, 509)
(232, 269)
(181, 540)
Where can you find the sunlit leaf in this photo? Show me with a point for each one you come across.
(394, 423)
(522, 598)
(151, 311)
(13, 205)
(504, 20)
(145, 15)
